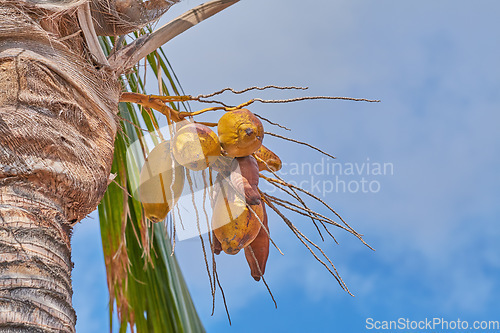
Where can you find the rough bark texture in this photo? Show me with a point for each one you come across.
(57, 130)
(35, 264)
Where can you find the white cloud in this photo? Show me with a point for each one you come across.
(435, 67)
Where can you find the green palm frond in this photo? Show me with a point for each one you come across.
(144, 280)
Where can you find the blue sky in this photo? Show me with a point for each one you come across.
(433, 223)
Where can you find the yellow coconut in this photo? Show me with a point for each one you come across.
(240, 133)
(196, 146)
(160, 183)
(267, 160)
(234, 224)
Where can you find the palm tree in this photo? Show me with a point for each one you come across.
(62, 142)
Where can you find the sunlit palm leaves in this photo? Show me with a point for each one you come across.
(145, 281)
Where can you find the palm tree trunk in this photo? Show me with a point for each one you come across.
(35, 264)
(56, 147)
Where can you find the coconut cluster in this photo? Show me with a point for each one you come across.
(236, 153)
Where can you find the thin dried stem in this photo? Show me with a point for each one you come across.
(324, 255)
(262, 275)
(321, 220)
(304, 211)
(250, 88)
(270, 293)
(213, 101)
(223, 296)
(131, 123)
(272, 123)
(122, 188)
(300, 142)
(154, 122)
(297, 99)
(208, 124)
(190, 181)
(354, 232)
(196, 113)
(180, 217)
(262, 226)
(159, 103)
(300, 236)
(329, 233)
(70, 36)
(174, 232)
(308, 211)
(205, 186)
(214, 265)
(296, 195)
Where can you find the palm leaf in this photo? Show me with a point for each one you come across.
(144, 280)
